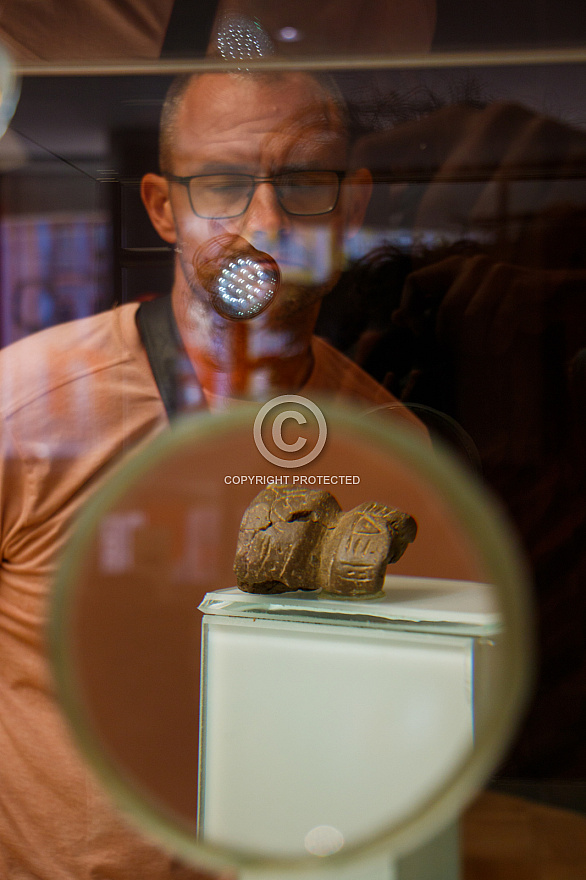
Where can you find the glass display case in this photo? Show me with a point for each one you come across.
(443, 287)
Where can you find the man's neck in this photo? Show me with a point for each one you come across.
(254, 359)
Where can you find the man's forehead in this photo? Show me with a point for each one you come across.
(218, 108)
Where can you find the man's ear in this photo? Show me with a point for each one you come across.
(357, 193)
(154, 191)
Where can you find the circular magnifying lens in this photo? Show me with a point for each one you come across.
(301, 730)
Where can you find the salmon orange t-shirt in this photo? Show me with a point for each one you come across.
(74, 400)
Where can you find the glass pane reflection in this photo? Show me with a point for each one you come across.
(462, 296)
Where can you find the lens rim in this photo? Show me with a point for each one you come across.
(482, 520)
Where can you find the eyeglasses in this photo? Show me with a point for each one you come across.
(300, 193)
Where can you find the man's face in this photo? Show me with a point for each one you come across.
(260, 126)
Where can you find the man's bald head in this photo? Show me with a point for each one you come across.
(324, 100)
(264, 137)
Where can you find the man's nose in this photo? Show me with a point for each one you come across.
(264, 213)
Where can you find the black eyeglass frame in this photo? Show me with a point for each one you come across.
(255, 181)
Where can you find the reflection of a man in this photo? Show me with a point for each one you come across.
(256, 166)
(74, 398)
(487, 322)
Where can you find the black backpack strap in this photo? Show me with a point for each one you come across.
(167, 357)
(189, 29)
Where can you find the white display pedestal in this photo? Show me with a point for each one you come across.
(324, 721)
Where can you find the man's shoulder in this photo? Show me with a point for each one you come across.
(45, 361)
(334, 373)
(340, 379)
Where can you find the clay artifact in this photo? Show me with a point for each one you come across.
(301, 539)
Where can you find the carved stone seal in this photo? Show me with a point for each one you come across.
(300, 539)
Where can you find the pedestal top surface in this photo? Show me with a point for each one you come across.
(414, 603)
